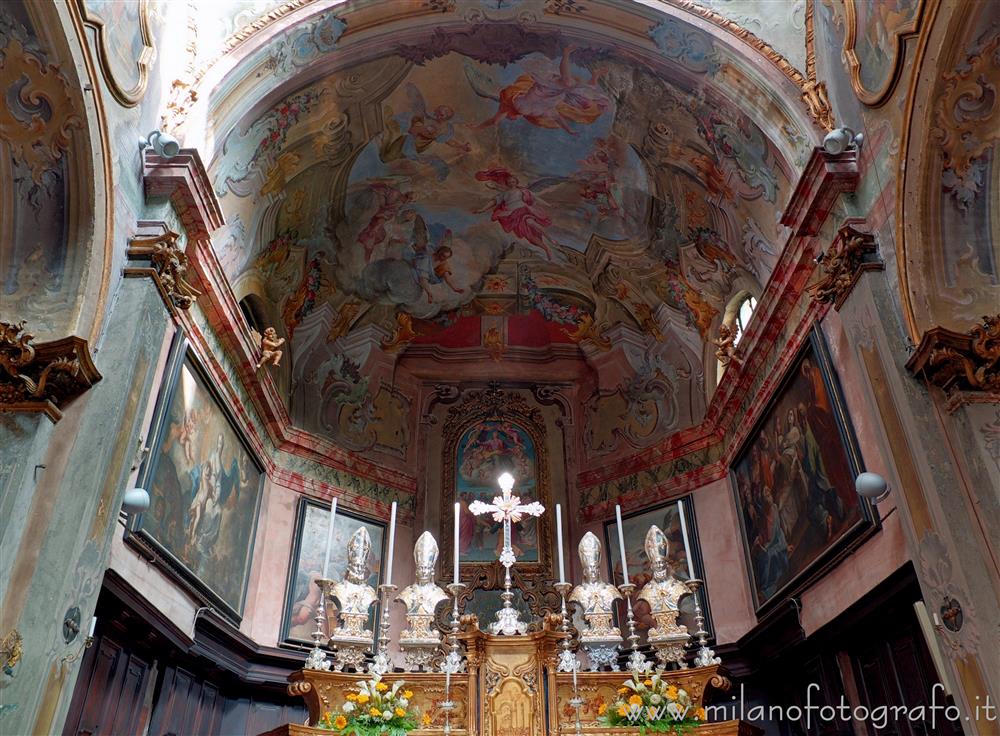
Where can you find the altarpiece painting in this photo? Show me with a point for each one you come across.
(204, 484)
(490, 432)
(794, 480)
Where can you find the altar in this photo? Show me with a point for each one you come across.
(511, 688)
(516, 677)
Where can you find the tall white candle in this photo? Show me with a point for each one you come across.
(684, 535)
(329, 539)
(559, 544)
(621, 544)
(458, 512)
(392, 544)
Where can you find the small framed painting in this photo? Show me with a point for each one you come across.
(205, 486)
(635, 526)
(793, 481)
(306, 565)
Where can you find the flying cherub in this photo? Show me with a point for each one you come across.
(411, 135)
(268, 344)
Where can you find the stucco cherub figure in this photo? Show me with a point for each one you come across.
(419, 642)
(269, 344)
(354, 597)
(596, 597)
(726, 344)
(663, 594)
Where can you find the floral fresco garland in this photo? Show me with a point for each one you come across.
(374, 709)
(652, 705)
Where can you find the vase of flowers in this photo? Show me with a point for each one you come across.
(374, 708)
(652, 704)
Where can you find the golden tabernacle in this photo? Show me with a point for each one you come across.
(511, 688)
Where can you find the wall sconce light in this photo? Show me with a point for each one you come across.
(135, 501)
(162, 144)
(872, 486)
(839, 140)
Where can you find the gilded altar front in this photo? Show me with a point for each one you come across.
(510, 688)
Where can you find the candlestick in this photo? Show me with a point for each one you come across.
(458, 512)
(559, 544)
(636, 661)
(329, 538)
(392, 544)
(706, 657)
(621, 544)
(317, 657)
(453, 661)
(382, 662)
(684, 536)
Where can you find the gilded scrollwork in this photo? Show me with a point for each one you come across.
(852, 253)
(44, 377)
(956, 361)
(168, 268)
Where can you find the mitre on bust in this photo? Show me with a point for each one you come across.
(664, 591)
(594, 595)
(422, 597)
(353, 594)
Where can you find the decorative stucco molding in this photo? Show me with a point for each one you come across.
(45, 377)
(184, 181)
(168, 267)
(957, 361)
(825, 178)
(851, 254)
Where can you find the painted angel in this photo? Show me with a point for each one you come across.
(516, 208)
(430, 264)
(268, 344)
(409, 136)
(389, 202)
(549, 98)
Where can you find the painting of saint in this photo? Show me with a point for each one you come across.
(640, 572)
(485, 451)
(794, 480)
(204, 487)
(307, 564)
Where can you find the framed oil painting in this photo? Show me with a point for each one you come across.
(306, 565)
(793, 479)
(635, 526)
(204, 484)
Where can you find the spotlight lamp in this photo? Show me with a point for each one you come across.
(839, 140)
(162, 144)
(135, 500)
(872, 486)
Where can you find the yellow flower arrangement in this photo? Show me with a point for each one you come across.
(374, 708)
(652, 704)
(426, 719)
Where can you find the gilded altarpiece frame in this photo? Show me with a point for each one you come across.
(495, 409)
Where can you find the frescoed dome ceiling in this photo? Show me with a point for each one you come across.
(593, 180)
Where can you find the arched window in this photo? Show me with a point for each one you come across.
(252, 313)
(743, 314)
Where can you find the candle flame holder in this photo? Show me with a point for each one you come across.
(317, 656)
(637, 663)
(706, 656)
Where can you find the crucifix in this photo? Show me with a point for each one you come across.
(508, 509)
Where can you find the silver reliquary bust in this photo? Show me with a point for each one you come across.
(354, 596)
(596, 597)
(418, 641)
(663, 594)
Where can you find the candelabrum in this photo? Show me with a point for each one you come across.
(637, 663)
(382, 663)
(453, 662)
(317, 657)
(568, 661)
(706, 656)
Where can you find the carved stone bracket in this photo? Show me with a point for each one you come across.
(825, 177)
(956, 361)
(45, 377)
(168, 267)
(852, 253)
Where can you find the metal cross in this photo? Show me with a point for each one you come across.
(507, 509)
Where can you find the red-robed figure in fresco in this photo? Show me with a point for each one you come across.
(515, 209)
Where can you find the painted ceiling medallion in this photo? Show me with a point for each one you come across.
(125, 68)
(871, 28)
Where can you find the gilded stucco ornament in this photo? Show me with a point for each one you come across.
(853, 252)
(42, 377)
(596, 598)
(419, 642)
(354, 597)
(961, 361)
(663, 594)
(168, 267)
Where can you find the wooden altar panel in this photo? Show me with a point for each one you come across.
(327, 691)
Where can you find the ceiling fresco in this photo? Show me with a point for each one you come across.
(486, 184)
